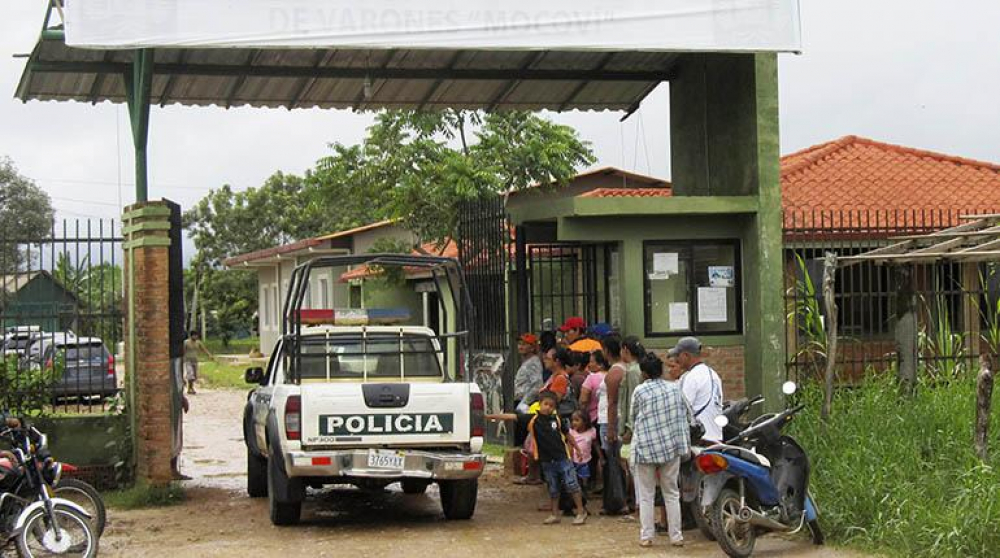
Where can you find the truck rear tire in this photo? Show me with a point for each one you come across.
(458, 498)
(414, 486)
(281, 512)
(256, 475)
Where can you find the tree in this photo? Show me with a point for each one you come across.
(25, 214)
(418, 167)
(225, 223)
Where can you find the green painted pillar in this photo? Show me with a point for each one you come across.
(768, 324)
(724, 142)
(138, 88)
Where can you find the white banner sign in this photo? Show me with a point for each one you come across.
(688, 25)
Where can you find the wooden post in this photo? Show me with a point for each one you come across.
(984, 400)
(829, 276)
(906, 328)
(971, 290)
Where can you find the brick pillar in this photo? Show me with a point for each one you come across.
(147, 338)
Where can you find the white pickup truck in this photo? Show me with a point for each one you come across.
(348, 399)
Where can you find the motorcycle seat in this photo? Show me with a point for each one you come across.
(744, 454)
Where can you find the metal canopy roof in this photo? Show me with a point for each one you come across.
(975, 241)
(357, 79)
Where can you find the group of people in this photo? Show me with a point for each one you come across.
(598, 413)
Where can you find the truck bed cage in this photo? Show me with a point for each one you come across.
(444, 272)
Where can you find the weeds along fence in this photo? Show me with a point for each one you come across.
(958, 304)
(61, 297)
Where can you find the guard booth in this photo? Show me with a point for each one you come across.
(651, 263)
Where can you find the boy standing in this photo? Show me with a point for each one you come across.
(552, 448)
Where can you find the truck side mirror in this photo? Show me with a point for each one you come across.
(254, 375)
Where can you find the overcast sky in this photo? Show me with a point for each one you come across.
(919, 73)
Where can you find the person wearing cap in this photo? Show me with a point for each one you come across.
(573, 330)
(701, 386)
(528, 379)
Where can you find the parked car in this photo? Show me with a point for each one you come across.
(31, 355)
(89, 366)
(17, 338)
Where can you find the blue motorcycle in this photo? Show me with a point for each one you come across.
(756, 483)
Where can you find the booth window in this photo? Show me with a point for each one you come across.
(692, 287)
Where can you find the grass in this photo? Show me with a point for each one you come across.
(222, 376)
(236, 346)
(900, 477)
(494, 450)
(144, 496)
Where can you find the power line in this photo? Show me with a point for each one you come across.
(115, 183)
(88, 202)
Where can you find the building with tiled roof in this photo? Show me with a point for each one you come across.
(857, 183)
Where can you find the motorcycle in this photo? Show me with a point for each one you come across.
(758, 482)
(689, 478)
(38, 523)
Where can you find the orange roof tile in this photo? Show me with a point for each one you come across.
(858, 183)
(450, 251)
(663, 192)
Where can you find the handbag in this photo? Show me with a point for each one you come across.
(696, 428)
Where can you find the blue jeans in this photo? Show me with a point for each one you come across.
(560, 474)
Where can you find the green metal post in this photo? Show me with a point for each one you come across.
(138, 88)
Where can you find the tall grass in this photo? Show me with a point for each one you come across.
(900, 476)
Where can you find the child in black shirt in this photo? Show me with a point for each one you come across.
(552, 449)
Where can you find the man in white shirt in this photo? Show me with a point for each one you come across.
(701, 386)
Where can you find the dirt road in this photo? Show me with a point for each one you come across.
(218, 519)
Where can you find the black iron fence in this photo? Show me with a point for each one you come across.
(568, 280)
(61, 315)
(483, 250)
(957, 305)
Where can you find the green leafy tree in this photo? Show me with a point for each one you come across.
(418, 167)
(225, 223)
(25, 213)
(98, 290)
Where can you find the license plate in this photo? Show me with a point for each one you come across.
(385, 459)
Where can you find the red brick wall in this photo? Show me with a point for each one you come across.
(729, 362)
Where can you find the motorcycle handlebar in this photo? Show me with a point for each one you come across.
(779, 418)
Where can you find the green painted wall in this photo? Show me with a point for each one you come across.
(42, 302)
(630, 233)
(378, 294)
(87, 440)
(713, 120)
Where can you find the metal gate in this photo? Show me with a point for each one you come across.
(483, 248)
(61, 315)
(572, 280)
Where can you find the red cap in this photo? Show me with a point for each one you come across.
(529, 339)
(575, 322)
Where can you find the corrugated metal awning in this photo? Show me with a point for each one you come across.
(356, 79)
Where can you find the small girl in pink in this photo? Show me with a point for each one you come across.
(598, 367)
(585, 435)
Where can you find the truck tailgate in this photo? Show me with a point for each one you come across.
(397, 414)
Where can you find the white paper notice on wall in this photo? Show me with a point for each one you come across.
(666, 263)
(712, 305)
(680, 318)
